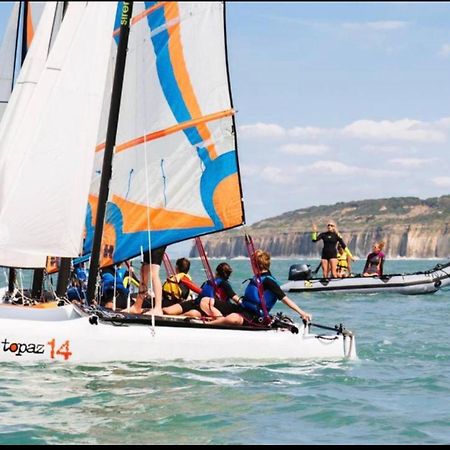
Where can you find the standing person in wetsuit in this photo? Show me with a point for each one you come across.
(330, 239)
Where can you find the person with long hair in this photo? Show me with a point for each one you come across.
(375, 261)
(251, 310)
(330, 239)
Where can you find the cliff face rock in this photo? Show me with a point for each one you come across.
(410, 227)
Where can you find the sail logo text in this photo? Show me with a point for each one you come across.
(125, 10)
(20, 348)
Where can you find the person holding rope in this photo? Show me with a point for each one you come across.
(253, 309)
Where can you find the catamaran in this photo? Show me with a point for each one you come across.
(131, 115)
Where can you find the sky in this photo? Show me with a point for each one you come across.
(337, 101)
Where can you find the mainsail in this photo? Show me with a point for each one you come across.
(43, 201)
(175, 170)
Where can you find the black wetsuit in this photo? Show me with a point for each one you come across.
(330, 239)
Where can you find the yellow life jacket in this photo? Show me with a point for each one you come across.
(342, 260)
(174, 290)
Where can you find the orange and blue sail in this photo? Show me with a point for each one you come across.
(175, 168)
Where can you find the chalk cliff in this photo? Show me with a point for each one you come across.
(409, 226)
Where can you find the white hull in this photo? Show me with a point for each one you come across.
(414, 283)
(67, 334)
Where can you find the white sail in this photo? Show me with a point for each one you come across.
(30, 73)
(7, 58)
(42, 208)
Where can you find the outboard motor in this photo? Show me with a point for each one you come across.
(299, 272)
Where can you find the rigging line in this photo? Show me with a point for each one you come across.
(170, 271)
(167, 131)
(206, 265)
(147, 195)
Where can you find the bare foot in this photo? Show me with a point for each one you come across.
(133, 310)
(154, 312)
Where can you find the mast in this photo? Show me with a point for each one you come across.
(23, 14)
(65, 263)
(111, 134)
(24, 32)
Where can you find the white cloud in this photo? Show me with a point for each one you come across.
(411, 162)
(402, 130)
(444, 51)
(338, 168)
(304, 149)
(248, 170)
(262, 130)
(441, 181)
(386, 25)
(275, 175)
(370, 148)
(308, 132)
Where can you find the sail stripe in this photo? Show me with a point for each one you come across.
(174, 77)
(30, 28)
(161, 133)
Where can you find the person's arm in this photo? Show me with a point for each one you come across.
(367, 263)
(229, 291)
(304, 315)
(314, 233)
(191, 285)
(380, 265)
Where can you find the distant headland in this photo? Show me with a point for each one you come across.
(410, 227)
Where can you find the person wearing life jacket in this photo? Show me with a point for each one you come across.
(251, 309)
(344, 258)
(223, 300)
(112, 282)
(212, 302)
(78, 283)
(179, 287)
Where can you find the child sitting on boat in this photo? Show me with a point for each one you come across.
(252, 310)
(179, 286)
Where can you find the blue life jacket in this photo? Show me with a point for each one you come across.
(208, 290)
(81, 274)
(251, 300)
(75, 293)
(108, 280)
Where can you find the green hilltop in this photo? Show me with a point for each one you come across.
(362, 213)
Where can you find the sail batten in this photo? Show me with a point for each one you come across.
(174, 129)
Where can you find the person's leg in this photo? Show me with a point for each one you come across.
(231, 319)
(325, 268)
(207, 305)
(333, 267)
(157, 289)
(136, 308)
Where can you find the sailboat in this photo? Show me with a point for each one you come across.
(133, 118)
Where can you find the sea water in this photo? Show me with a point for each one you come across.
(397, 392)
